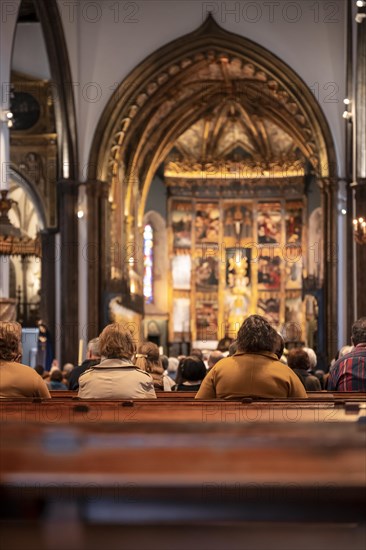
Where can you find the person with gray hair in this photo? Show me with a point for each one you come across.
(214, 357)
(92, 359)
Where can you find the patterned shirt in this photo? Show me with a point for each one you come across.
(349, 372)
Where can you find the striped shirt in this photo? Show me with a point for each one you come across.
(349, 372)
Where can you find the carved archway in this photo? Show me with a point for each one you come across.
(181, 83)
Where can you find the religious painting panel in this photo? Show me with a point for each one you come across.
(293, 221)
(207, 223)
(269, 272)
(181, 317)
(181, 220)
(293, 329)
(269, 222)
(236, 310)
(269, 305)
(207, 273)
(238, 221)
(206, 316)
(293, 266)
(238, 268)
(181, 271)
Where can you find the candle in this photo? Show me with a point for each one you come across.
(80, 358)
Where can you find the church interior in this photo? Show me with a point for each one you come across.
(176, 167)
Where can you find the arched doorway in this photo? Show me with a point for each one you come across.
(197, 90)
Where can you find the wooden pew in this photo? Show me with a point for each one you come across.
(179, 410)
(122, 477)
(69, 394)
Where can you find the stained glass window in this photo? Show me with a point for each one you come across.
(148, 264)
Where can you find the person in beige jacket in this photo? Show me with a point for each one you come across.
(254, 370)
(17, 380)
(116, 377)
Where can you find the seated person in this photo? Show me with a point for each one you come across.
(116, 377)
(254, 370)
(349, 372)
(92, 358)
(191, 372)
(56, 381)
(148, 359)
(17, 380)
(298, 360)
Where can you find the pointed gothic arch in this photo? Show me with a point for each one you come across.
(182, 82)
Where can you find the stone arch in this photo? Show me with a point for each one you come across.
(157, 102)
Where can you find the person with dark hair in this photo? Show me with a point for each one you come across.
(197, 353)
(279, 346)
(92, 359)
(233, 348)
(191, 372)
(298, 360)
(17, 380)
(55, 382)
(254, 370)
(39, 369)
(349, 372)
(148, 359)
(116, 377)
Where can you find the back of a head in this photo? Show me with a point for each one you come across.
(197, 353)
(173, 363)
(298, 359)
(279, 345)
(116, 342)
(214, 357)
(147, 356)
(312, 357)
(192, 369)
(233, 348)
(256, 335)
(345, 350)
(56, 376)
(94, 348)
(359, 331)
(10, 340)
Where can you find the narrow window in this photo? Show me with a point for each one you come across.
(148, 264)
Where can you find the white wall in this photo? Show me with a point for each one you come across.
(29, 52)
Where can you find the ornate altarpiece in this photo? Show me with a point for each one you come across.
(237, 247)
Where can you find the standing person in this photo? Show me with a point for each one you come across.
(349, 372)
(254, 370)
(17, 380)
(92, 358)
(148, 359)
(116, 377)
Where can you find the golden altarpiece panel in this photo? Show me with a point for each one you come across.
(239, 253)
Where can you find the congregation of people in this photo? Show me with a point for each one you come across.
(256, 365)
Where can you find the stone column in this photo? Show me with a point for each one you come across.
(329, 193)
(69, 272)
(95, 253)
(50, 258)
(360, 189)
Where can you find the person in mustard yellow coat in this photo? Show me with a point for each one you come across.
(254, 370)
(17, 380)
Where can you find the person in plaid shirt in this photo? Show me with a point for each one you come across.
(349, 372)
